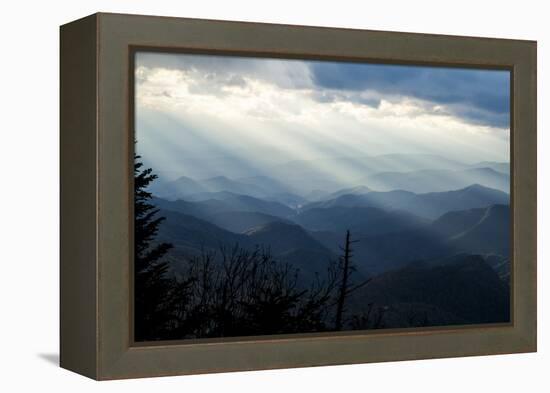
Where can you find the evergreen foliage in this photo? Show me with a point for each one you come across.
(153, 289)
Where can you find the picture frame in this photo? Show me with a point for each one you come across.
(96, 170)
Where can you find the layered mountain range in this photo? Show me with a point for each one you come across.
(435, 243)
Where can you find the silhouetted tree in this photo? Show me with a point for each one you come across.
(153, 289)
(345, 288)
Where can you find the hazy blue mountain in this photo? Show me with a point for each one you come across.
(358, 190)
(291, 182)
(388, 250)
(466, 290)
(181, 186)
(222, 183)
(230, 203)
(457, 222)
(435, 204)
(291, 244)
(388, 200)
(491, 234)
(202, 210)
(288, 243)
(359, 220)
(437, 180)
(479, 231)
(283, 237)
(239, 221)
(221, 188)
(293, 201)
(383, 252)
(185, 186)
(193, 234)
(429, 205)
(207, 195)
(251, 204)
(503, 167)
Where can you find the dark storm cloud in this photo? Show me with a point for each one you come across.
(478, 96)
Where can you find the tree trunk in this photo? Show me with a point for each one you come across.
(344, 286)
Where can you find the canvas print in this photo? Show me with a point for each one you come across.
(284, 196)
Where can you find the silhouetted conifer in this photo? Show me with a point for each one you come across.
(153, 289)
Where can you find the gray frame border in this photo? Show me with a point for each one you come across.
(96, 132)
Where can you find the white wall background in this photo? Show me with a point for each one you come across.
(29, 194)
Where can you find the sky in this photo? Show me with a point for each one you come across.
(197, 115)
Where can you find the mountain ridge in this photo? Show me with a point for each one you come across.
(430, 205)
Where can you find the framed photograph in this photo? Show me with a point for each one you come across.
(242, 196)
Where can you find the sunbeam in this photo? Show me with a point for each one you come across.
(206, 116)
